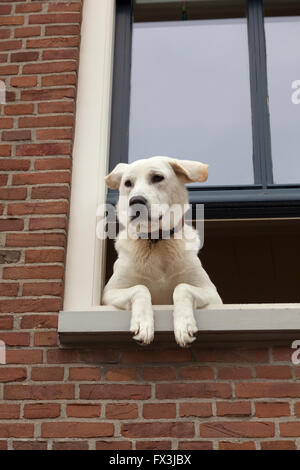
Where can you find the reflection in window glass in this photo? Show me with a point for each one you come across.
(283, 61)
(190, 95)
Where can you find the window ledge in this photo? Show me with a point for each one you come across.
(226, 323)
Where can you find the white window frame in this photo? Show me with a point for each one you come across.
(84, 274)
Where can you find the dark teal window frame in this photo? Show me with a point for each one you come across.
(261, 199)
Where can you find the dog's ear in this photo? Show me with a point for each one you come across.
(113, 179)
(191, 170)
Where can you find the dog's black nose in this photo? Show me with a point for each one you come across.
(138, 200)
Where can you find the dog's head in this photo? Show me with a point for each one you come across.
(148, 188)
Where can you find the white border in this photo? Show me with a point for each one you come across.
(90, 154)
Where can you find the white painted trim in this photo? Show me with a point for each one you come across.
(90, 154)
(274, 320)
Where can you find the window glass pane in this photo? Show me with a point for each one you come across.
(190, 95)
(283, 62)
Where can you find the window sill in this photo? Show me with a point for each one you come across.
(228, 323)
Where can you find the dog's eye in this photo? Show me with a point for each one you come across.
(128, 183)
(157, 178)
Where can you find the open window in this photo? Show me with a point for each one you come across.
(215, 65)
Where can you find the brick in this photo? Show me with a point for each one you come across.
(9, 256)
(14, 165)
(52, 164)
(120, 375)
(39, 392)
(158, 429)
(9, 289)
(41, 410)
(291, 429)
(282, 354)
(29, 445)
(54, 18)
(50, 192)
(227, 445)
(23, 82)
(278, 445)
(70, 445)
(39, 150)
(271, 409)
(64, 7)
(232, 355)
(237, 429)
(274, 372)
(27, 56)
(237, 408)
(196, 373)
(47, 223)
(50, 67)
(97, 356)
(19, 430)
(16, 135)
(297, 409)
(56, 107)
(201, 410)
(30, 305)
(6, 322)
(193, 390)
(9, 45)
(63, 54)
(32, 272)
(3, 445)
(12, 374)
(5, 9)
(6, 123)
(54, 42)
(115, 392)
(62, 30)
(44, 256)
(22, 356)
(54, 134)
(9, 411)
(5, 150)
(267, 390)
(28, 7)
(113, 445)
(3, 180)
(27, 32)
(83, 411)
(4, 33)
(18, 109)
(84, 373)
(195, 445)
(15, 339)
(47, 374)
(28, 208)
(158, 373)
(234, 373)
(46, 338)
(11, 225)
(9, 70)
(175, 355)
(77, 430)
(61, 79)
(35, 239)
(153, 445)
(39, 321)
(121, 411)
(13, 194)
(159, 410)
(47, 121)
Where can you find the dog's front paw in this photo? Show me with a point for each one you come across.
(143, 329)
(185, 330)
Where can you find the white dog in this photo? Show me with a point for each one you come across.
(158, 271)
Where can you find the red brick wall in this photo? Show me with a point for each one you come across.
(126, 396)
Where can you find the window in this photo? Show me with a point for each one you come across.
(83, 318)
(212, 80)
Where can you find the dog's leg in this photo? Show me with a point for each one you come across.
(138, 299)
(187, 297)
